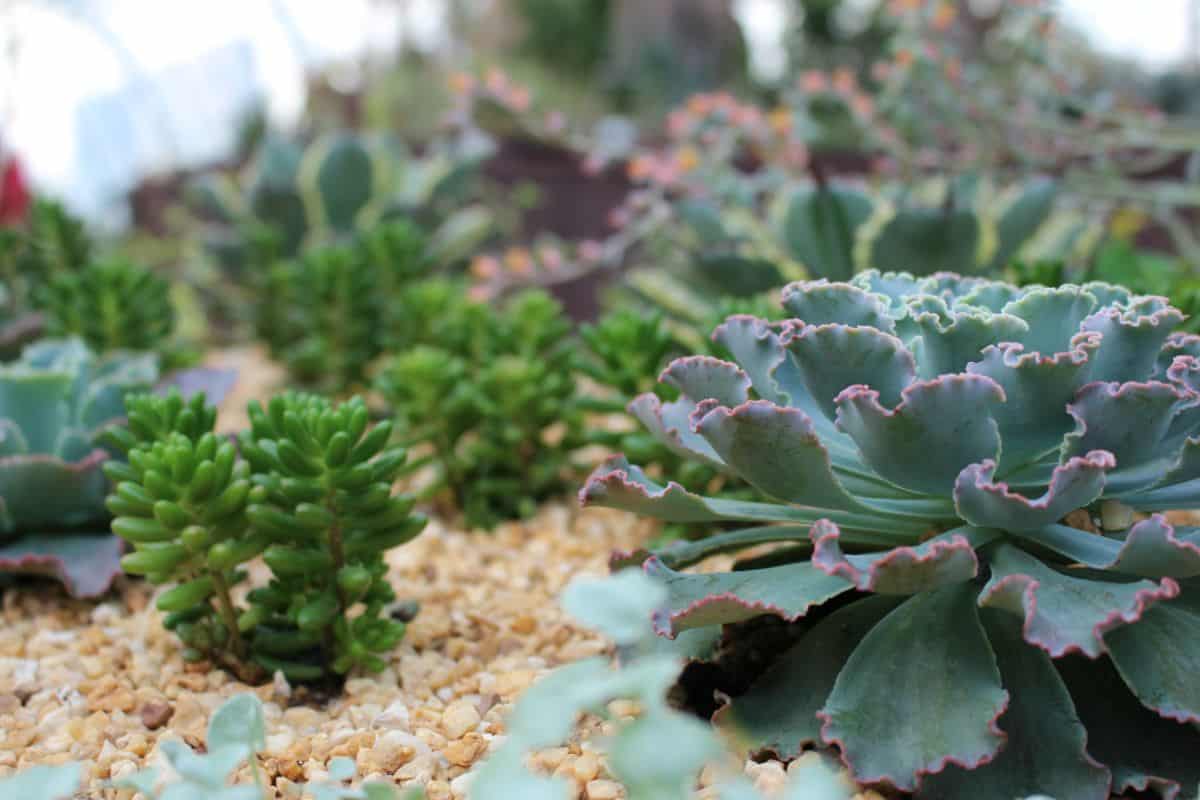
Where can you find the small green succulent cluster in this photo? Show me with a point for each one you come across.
(310, 492)
(494, 397)
(327, 314)
(111, 305)
(236, 735)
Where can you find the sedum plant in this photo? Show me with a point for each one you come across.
(311, 493)
(494, 400)
(326, 507)
(329, 314)
(56, 403)
(111, 305)
(968, 481)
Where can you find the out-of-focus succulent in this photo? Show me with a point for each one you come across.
(495, 400)
(110, 305)
(658, 755)
(51, 243)
(56, 403)
(328, 314)
(962, 470)
(180, 500)
(324, 506)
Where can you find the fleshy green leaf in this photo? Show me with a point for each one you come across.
(947, 558)
(927, 676)
(85, 563)
(43, 782)
(619, 606)
(983, 501)
(1159, 657)
(239, 720)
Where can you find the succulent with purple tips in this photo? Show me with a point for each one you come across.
(921, 444)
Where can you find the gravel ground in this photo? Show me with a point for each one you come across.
(104, 683)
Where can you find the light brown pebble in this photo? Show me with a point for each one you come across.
(460, 717)
(155, 715)
(604, 790)
(463, 752)
(586, 767)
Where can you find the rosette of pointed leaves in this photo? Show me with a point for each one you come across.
(970, 477)
(495, 401)
(180, 501)
(56, 402)
(111, 305)
(328, 515)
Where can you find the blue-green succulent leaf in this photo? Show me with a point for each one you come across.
(1062, 613)
(947, 345)
(927, 675)
(946, 558)
(983, 501)
(42, 782)
(831, 357)
(1131, 340)
(779, 712)
(938, 428)
(85, 563)
(1054, 316)
(822, 303)
(39, 491)
(1046, 751)
(719, 598)
(618, 606)
(1159, 657)
(1150, 549)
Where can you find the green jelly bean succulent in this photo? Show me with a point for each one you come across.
(496, 403)
(310, 492)
(327, 315)
(111, 305)
(327, 509)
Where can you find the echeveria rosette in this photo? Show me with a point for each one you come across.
(920, 443)
(57, 403)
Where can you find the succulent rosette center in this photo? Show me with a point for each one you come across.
(969, 477)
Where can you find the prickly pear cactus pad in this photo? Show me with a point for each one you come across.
(971, 478)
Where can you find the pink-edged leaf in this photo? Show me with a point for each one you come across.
(921, 691)
(939, 427)
(1144, 751)
(1033, 418)
(1054, 316)
(39, 491)
(85, 563)
(1046, 749)
(983, 501)
(1064, 614)
(754, 344)
(703, 378)
(697, 600)
(950, 341)
(832, 357)
(779, 712)
(670, 424)
(777, 450)
(820, 302)
(1132, 339)
(1159, 657)
(618, 484)
(1177, 344)
(947, 558)
(1144, 426)
(1151, 549)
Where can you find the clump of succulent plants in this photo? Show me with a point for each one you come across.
(56, 403)
(327, 315)
(325, 506)
(969, 478)
(311, 493)
(110, 305)
(236, 735)
(495, 402)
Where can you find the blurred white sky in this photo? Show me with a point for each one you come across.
(58, 56)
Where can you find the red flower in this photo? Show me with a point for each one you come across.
(14, 193)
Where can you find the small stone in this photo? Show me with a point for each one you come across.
(459, 717)
(463, 752)
(523, 625)
(769, 777)
(119, 700)
(155, 715)
(461, 785)
(603, 790)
